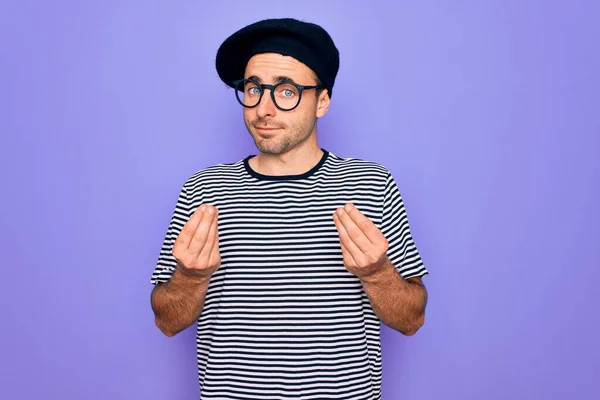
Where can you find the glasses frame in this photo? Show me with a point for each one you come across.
(263, 86)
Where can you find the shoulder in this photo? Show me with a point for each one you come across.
(212, 174)
(358, 166)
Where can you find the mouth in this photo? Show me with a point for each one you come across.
(266, 130)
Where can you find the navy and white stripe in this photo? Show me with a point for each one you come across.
(283, 318)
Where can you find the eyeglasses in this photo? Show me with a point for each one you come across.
(286, 95)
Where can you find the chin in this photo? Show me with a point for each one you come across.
(272, 145)
(271, 149)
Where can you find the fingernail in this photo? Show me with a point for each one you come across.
(202, 207)
(348, 207)
(211, 210)
(340, 211)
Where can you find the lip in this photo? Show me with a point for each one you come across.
(267, 130)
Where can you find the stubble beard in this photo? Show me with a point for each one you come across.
(284, 140)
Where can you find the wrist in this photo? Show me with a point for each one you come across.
(189, 276)
(381, 275)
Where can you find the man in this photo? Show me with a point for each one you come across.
(288, 260)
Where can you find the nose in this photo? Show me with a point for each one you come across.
(266, 107)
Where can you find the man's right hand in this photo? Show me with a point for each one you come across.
(197, 246)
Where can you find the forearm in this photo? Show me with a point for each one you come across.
(178, 303)
(397, 302)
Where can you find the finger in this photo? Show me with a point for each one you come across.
(367, 227)
(210, 240)
(199, 239)
(347, 244)
(187, 232)
(353, 231)
(348, 259)
(215, 256)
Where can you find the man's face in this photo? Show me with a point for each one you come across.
(275, 131)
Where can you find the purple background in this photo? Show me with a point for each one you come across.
(487, 113)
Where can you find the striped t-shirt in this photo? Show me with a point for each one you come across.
(282, 317)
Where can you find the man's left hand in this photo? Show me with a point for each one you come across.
(364, 246)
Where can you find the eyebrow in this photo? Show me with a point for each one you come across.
(284, 79)
(278, 79)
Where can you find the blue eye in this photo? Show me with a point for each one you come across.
(287, 91)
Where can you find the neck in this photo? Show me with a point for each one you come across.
(293, 162)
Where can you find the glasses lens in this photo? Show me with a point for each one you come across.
(248, 93)
(286, 96)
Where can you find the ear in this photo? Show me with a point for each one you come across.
(323, 103)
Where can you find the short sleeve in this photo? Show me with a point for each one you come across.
(402, 251)
(166, 262)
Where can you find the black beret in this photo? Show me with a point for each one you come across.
(306, 42)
